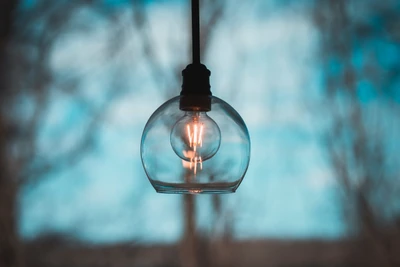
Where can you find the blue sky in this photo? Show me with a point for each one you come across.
(288, 192)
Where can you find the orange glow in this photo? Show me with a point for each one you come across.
(195, 140)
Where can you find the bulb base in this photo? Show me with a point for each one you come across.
(195, 103)
(196, 93)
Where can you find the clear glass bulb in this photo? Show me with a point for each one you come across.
(195, 137)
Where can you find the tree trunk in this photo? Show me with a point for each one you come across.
(189, 241)
(10, 248)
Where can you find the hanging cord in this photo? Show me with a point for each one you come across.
(196, 93)
(196, 31)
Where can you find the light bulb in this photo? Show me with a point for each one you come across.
(195, 138)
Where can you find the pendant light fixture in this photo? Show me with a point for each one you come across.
(195, 142)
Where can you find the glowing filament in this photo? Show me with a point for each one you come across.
(195, 138)
(195, 135)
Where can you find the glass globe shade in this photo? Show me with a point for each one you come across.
(195, 152)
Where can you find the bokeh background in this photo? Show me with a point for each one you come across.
(317, 82)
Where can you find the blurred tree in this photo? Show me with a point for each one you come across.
(10, 250)
(361, 73)
(28, 35)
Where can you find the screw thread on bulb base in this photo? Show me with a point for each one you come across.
(196, 93)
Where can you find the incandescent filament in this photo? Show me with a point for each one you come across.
(195, 138)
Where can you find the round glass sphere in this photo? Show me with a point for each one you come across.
(195, 152)
(195, 136)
